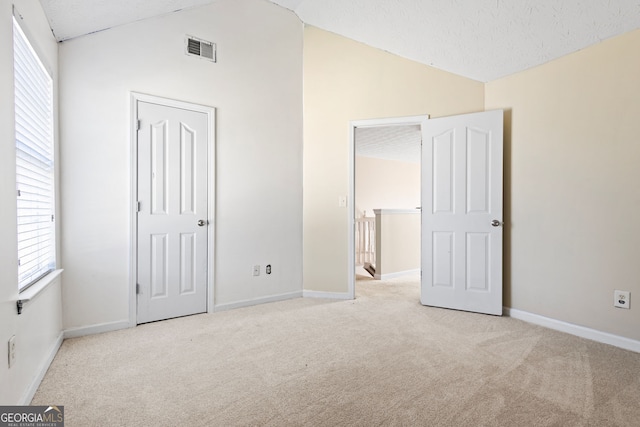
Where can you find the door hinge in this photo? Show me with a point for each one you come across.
(137, 288)
(138, 124)
(53, 218)
(138, 206)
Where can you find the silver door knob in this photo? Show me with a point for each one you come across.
(496, 223)
(202, 223)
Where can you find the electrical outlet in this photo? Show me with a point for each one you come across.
(12, 350)
(622, 299)
(256, 270)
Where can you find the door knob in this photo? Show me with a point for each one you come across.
(202, 223)
(496, 223)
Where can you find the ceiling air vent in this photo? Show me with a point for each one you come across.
(201, 48)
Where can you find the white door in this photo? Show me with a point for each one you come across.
(172, 217)
(462, 212)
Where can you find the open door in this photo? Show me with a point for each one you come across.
(462, 163)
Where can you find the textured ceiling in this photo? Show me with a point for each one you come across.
(479, 39)
(400, 143)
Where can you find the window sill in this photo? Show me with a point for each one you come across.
(34, 290)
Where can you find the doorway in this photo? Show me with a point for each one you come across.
(461, 209)
(173, 205)
(386, 143)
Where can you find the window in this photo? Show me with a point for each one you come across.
(34, 162)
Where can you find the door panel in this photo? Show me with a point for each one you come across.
(187, 170)
(172, 192)
(188, 268)
(443, 172)
(462, 194)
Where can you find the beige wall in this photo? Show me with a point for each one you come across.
(572, 192)
(571, 167)
(397, 242)
(345, 80)
(386, 184)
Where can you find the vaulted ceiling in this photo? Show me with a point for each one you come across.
(480, 39)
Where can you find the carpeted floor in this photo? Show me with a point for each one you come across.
(379, 360)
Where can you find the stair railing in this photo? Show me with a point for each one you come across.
(365, 240)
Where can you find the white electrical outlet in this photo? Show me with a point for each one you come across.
(12, 350)
(622, 299)
(256, 270)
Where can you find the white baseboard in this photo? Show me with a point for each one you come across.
(326, 295)
(397, 274)
(33, 387)
(570, 328)
(256, 301)
(96, 329)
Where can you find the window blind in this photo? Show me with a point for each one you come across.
(34, 162)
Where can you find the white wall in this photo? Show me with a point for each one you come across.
(38, 329)
(256, 86)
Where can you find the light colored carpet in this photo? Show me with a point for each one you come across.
(379, 360)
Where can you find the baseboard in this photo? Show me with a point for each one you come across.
(394, 275)
(326, 295)
(570, 328)
(256, 301)
(33, 387)
(96, 329)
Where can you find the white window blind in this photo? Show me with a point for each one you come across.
(34, 162)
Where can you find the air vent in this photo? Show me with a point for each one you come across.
(201, 48)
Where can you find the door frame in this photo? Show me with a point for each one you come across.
(351, 205)
(135, 98)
